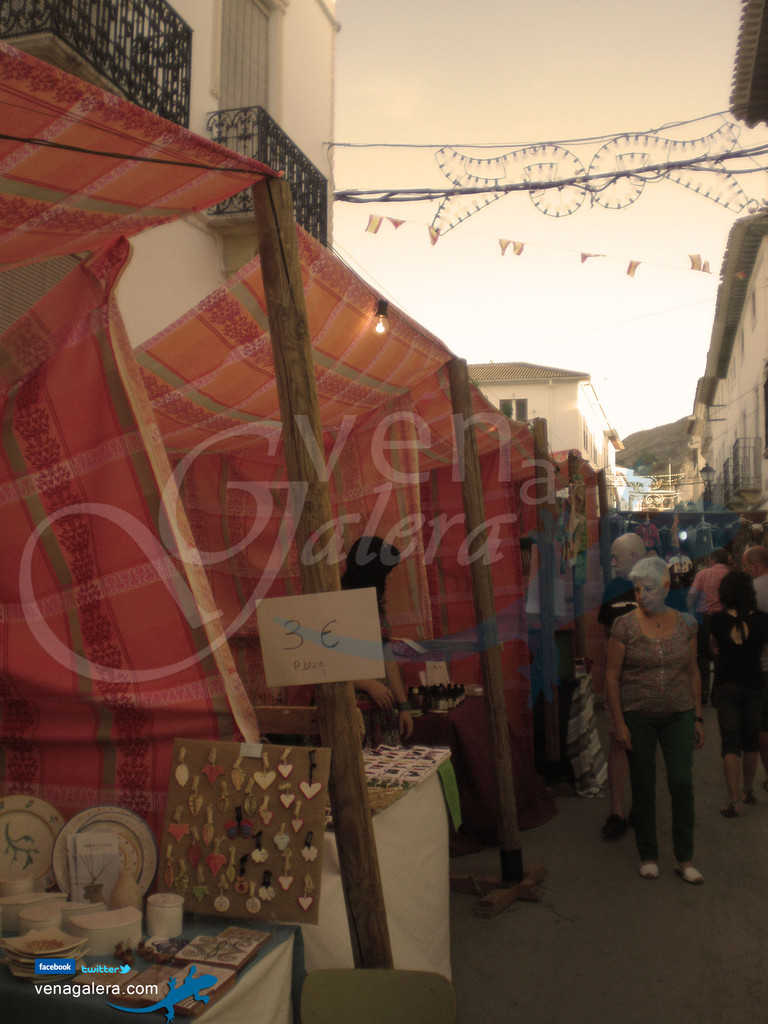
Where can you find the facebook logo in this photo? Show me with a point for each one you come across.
(54, 967)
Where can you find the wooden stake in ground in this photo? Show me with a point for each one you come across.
(485, 615)
(294, 372)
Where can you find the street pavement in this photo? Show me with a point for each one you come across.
(605, 945)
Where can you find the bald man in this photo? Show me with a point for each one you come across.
(618, 599)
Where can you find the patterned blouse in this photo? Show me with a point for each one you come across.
(654, 677)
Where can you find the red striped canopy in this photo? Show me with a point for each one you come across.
(80, 167)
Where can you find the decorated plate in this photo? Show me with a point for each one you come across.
(134, 837)
(24, 950)
(28, 831)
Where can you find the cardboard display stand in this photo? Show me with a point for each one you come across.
(243, 830)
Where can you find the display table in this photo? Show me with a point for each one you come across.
(465, 730)
(412, 846)
(265, 991)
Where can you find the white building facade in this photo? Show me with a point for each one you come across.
(566, 399)
(254, 75)
(729, 426)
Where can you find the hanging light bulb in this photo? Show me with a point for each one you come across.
(382, 310)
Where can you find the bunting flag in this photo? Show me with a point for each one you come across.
(517, 247)
(698, 264)
(374, 223)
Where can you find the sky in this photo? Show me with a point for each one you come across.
(415, 76)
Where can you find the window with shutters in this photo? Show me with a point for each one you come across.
(244, 55)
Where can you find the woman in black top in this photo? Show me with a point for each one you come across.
(738, 635)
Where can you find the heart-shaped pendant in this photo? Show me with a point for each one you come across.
(264, 779)
(285, 770)
(305, 902)
(177, 828)
(178, 831)
(286, 799)
(286, 881)
(310, 789)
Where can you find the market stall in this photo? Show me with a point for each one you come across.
(146, 521)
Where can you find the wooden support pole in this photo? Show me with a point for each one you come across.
(605, 527)
(579, 622)
(297, 392)
(485, 614)
(546, 513)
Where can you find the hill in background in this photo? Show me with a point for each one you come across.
(657, 448)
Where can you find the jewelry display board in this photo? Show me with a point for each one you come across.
(243, 830)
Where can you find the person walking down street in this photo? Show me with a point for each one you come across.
(739, 637)
(618, 599)
(703, 600)
(653, 690)
(755, 562)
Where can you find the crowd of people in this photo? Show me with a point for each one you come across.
(670, 651)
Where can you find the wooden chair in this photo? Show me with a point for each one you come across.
(377, 996)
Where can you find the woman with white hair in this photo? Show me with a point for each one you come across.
(653, 689)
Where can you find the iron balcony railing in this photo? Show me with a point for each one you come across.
(141, 46)
(746, 462)
(251, 132)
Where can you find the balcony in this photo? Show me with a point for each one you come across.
(742, 483)
(251, 132)
(746, 463)
(140, 48)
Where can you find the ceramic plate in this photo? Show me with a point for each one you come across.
(28, 831)
(134, 837)
(49, 941)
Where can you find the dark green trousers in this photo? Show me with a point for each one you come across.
(674, 733)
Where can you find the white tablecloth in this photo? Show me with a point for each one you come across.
(412, 843)
(262, 992)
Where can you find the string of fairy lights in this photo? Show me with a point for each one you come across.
(559, 182)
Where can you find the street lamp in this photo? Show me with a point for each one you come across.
(707, 475)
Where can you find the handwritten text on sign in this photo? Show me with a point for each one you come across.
(321, 638)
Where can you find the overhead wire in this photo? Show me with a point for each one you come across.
(585, 140)
(700, 163)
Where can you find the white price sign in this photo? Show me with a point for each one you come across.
(437, 673)
(321, 638)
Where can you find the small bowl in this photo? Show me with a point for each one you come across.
(40, 917)
(106, 929)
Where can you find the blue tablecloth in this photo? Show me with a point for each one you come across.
(21, 1003)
